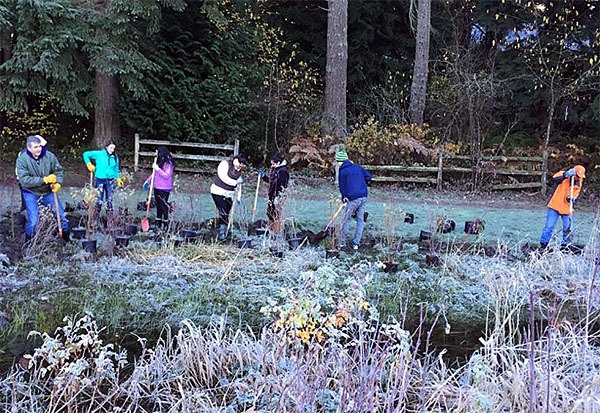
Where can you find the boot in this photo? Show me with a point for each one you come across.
(222, 232)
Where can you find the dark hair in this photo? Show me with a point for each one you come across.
(241, 159)
(164, 156)
(277, 157)
(115, 154)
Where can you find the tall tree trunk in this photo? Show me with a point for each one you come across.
(418, 90)
(336, 71)
(551, 111)
(106, 121)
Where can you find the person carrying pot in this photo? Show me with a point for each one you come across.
(163, 184)
(222, 190)
(561, 204)
(106, 172)
(278, 178)
(352, 181)
(41, 176)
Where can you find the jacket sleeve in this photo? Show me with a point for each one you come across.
(57, 169)
(283, 179)
(166, 171)
(88, 156)
(26, 179)
(222, 171)
(367, 175)
(558, 177)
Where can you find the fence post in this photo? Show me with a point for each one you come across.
(136, 151)
(439, 171)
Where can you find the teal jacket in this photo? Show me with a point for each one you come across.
(107, 167)
(31, 172)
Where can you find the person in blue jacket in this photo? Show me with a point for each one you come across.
(352, 182)
(106, 171)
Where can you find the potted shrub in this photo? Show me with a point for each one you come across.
(390, 242)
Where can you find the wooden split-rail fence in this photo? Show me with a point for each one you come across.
(493, 172)
(217, 152)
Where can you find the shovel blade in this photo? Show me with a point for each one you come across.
(145, 224)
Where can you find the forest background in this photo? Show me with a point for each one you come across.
(503, 78)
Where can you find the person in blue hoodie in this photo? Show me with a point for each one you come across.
(352, 180)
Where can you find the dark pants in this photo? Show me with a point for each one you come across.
(223, 205)
(162, 206)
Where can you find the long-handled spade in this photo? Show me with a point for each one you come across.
(255, 199)
(321, 235)
(232, 212)
(572, 184)
(145, 223)
(60, 233)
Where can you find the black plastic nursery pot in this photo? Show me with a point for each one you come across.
(329, 254)
(470, 227)
(448, 227)
(294, 243)
(261, 231)
(277, 254)
(89, 245)
(190, 235)
(131, 229)
(244, 243)
(177, 241)
(78, 232)
(390, 267)
(424, 236)
(409, 218)
(122, 240)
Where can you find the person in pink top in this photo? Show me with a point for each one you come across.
(163, 184)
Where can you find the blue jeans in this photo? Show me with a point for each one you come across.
(551, 218)
(105, 188)
(32, 206)
(358, 206)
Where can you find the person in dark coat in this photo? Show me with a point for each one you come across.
(352, 181)
(278, 178)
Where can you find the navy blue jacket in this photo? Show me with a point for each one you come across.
(353, 180)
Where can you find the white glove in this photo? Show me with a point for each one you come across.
(240, 181)
(155, 167)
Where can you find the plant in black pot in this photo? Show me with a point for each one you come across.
(391, 243)
(90, 197)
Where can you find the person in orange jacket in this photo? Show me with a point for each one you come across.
(568, 185)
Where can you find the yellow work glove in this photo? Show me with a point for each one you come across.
(55, 187)
(119, 182)
(50, 179)
(90, 167)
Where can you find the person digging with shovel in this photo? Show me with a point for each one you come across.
(567, 189)
(163, 184)
(222, 190)
(106, 172)
(41, 176)
(278, 178)
(352, 183)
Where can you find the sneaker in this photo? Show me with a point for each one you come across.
(355, 247)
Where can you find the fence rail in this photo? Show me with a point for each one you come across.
(234, 149)
(487, 167)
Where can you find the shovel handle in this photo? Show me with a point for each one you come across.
(334, 216)
(148, 202)
(91, 179)
(60, 233)
(571, 185)
(255, 198)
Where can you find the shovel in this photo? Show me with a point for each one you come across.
(321, 235)
(231, 213)
(60, 233)
(145, 223)
(255, 199)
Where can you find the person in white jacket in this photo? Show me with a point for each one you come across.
(228, 177)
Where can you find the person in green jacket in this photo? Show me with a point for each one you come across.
(106, 172)
(40, 175)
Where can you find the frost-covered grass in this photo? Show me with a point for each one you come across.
(362, 362)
